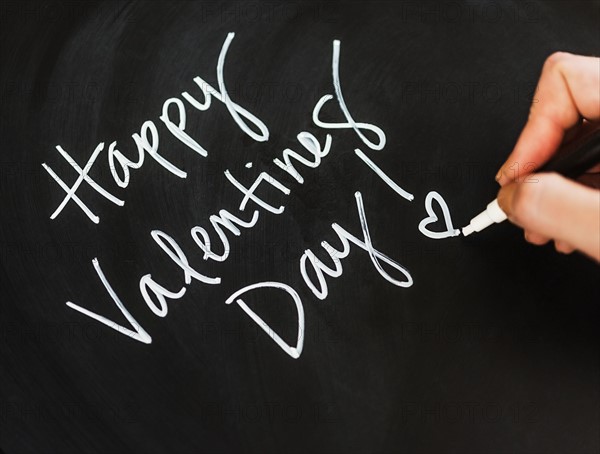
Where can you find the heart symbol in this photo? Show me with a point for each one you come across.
(450, 230)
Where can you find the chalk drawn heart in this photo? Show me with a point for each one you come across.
(432, 218)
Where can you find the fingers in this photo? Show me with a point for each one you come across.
(547, 206)
(536, 238)
(567, 91)
(562, 247)
(557, 208)
(540, 240)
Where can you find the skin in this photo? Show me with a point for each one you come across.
(546, 205)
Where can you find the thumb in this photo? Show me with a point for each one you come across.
(556, 207)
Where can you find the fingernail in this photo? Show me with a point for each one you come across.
(500, 178)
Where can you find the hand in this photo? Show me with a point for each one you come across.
(546, 205)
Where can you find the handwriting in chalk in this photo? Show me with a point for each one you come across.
(450, 230)
(157, 295)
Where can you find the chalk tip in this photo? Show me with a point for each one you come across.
(466, 231)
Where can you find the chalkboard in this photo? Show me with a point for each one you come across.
(231, 227)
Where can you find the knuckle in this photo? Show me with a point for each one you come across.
(556, 60)
(563, 247)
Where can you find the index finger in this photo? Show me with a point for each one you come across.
(568, 90)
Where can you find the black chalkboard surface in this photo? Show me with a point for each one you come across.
(170, 172)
